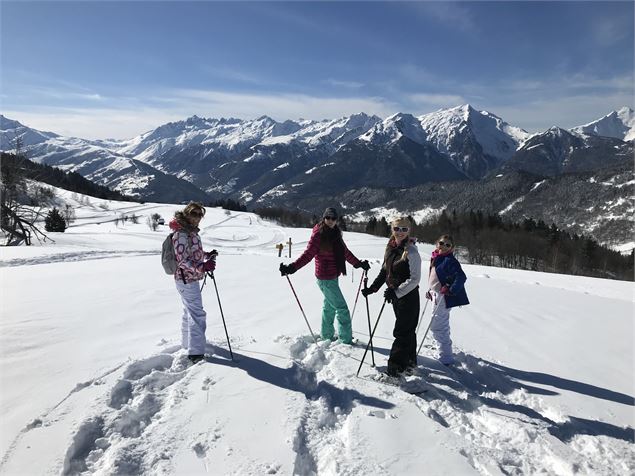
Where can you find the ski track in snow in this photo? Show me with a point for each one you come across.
(506, 428)
(253, 242)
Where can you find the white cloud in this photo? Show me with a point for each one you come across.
(128, 117)
(437, 100)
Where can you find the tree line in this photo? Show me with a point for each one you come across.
(490, 240)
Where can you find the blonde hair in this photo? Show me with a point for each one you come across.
(192, 206)
(446, 238)
(401, 221)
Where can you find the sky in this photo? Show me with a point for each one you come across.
(117, 69)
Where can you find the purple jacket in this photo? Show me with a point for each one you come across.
(325, 262)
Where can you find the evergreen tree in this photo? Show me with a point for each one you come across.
(54, 221)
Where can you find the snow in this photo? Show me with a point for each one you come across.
(512, 205)
(93, 379)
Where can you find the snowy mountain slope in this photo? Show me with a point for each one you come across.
(93, 380)
(618, 124)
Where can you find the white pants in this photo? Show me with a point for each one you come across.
(193, 323)
(441, 328)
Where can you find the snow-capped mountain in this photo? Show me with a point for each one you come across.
(305, 163)
(559, 151)
(618, 124)
(97, 163)
(475, 141)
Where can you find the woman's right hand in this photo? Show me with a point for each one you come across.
(286, 269)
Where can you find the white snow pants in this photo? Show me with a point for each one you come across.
(193, 323)
(441, 328)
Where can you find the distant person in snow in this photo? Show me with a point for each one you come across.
(401, 272)
(446, 289)
(192, 263)
(327, 246)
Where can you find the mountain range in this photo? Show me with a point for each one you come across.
(356, 162)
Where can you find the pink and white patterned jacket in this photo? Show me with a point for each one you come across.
(188, 250)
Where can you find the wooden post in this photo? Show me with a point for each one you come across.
(279, 246)
(289, 247)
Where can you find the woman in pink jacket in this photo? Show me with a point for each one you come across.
(327, 247)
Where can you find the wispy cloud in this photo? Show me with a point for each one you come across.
(344, 84)
(232, 74)
(451, 14)
(564, 111)
(609, 31)
(439, 100)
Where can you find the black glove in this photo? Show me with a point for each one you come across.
(390, 295)
(368, 291)
(365, 265)
(286, 269)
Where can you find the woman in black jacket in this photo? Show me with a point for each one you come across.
(401, 272)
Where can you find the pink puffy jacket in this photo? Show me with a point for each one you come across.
(325, 265)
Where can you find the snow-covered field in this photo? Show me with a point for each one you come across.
(92, 379)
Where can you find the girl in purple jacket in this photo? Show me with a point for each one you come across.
(327, 247)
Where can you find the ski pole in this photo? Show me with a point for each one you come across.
(222, 315)
(429, 325)
(371, 338)
(305, 319)
(372, 351)
(421, 318)
(357, 296)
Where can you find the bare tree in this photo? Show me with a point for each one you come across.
(17, 221)
(69, 214)
(153, 223)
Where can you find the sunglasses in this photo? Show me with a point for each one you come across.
(194, 213)
(403, 229)
(444, 244)
(330, 218)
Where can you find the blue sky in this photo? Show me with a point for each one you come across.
(116, 69)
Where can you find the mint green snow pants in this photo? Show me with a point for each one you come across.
(335, 305)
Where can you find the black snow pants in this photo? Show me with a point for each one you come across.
(403, 353)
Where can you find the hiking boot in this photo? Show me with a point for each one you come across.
(195, 358)
(394, 370)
